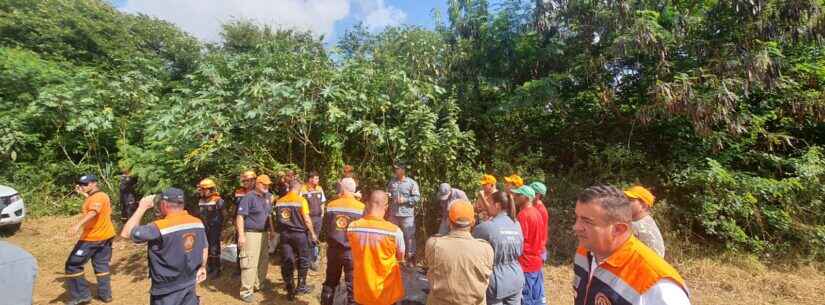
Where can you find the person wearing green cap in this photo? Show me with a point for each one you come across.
(530, 260)
(541, 189)
(538, 202)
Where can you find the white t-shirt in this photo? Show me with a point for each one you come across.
(664, 292)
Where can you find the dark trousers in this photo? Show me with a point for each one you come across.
(317, 225)
(213, 236)
(338, 259)
(100, 253)
(127, 207)
(294, 248)
(184, 296)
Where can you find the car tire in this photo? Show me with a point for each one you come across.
(11, 229)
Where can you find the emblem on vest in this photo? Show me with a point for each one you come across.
(341, 222)
(602, 299)
(285, 214)
(188, 241)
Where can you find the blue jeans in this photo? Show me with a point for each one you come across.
(533, 292)
(407, 225)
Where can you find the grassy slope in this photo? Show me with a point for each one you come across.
(711, 280)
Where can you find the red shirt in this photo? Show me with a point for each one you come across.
(544, 218)
(531, 226)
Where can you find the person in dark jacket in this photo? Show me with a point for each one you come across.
(128, 194)
(210, 208)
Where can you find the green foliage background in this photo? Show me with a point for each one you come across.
(716, 105)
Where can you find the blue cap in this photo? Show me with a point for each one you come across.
(172, 195)
(86, 179)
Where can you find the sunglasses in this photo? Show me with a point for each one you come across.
(83, 184)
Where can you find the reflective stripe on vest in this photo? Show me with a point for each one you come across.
(288, 217)
(314, 200)
(623, 277)
(340, 213)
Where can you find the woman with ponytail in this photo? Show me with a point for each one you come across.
(504, 235)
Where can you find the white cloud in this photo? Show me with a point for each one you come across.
(203, 18)
(377, 15)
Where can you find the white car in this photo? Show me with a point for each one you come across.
(12, 209)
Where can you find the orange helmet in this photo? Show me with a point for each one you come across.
(207, 184)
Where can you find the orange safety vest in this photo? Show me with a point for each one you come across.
(376, 247)
(623, 277)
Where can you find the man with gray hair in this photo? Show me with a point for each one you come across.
(446, 195)
(340, 212)
(613, 267)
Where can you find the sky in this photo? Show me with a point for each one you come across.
(331, 18)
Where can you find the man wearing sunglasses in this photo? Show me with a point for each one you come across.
(95, 244)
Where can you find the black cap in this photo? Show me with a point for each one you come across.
(400, 164)
(172, 195)
(86, 179)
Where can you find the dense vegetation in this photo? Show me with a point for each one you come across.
(717, 105)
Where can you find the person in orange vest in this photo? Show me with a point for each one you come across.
(176, 245)
(611, 266)
(340, 213)
(210, 208)
(314, 194)
(95, 244)
(378, 251)
(294, 225)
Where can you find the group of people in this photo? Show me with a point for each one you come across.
(490, 251)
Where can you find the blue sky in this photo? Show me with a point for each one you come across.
(328, 17)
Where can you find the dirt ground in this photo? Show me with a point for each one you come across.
(710, 280)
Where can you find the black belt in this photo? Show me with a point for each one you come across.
(255, 230)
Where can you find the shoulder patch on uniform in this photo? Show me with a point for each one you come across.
(341, 222)
(286, 214)
(188, 241)
(602, 299)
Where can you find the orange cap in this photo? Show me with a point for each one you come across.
(487, 179)
(515, 180)
(263, 179)
(462, 212)
(248, 175)
(641, 193)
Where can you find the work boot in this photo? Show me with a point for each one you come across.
(327, 295)
(303, 288)
(290, 289)
(105, 299)
(248, 298)
(85, 300)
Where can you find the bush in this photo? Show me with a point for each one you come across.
(746, 212)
